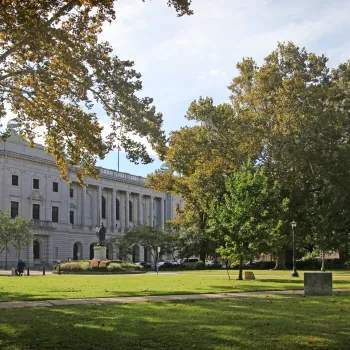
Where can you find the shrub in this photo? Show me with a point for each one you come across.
(115, 267)
(123, 266)
(94, 263)
(76, 266)
(347, 264)
(200, 265)
(103, 263)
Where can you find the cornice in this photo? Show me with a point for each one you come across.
(106, 174)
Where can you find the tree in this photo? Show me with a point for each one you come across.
(13, 232)
(22, 235)
(147, 236)
(292, 117)
(53, 69)
(192, 174)
(247, 214)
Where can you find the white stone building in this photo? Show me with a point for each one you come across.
(65, 215)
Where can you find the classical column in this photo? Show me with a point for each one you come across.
(30, 253)
(162, 213)
(67, 220)
(49, 250)
(99, 206)
(47, 200)
(151, 211)
(83, 206)
(140, 213)
(127, 198)
(113, 213)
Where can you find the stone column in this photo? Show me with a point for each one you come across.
(127, 198)
(113, 208)
(162, 213)
(30, 253)
(67, 207)
(83, 206)
(140, 213)
(99, 206)
(48, 200)
(151, 211)
(49, 249)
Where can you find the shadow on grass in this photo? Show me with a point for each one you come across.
(248, 323)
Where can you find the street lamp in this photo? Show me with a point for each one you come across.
(158, 251)
(294, 273)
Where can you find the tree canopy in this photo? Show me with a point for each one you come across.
(14, 233)
(54, 69)
(291, 116)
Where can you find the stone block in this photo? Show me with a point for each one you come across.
(100, 252)
(248, 275)
(318, 283)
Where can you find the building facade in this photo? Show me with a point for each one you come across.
(65, 215)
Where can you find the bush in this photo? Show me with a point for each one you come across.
(94, 263)
(76, 266)
(123, 266)
(200, 265)
(347, 264)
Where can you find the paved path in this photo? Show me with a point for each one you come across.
(128, 300)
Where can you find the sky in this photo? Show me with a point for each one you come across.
(181, 59)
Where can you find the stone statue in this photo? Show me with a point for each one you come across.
(101, 234)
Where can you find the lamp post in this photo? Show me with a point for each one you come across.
(294, 273)
(158, 251)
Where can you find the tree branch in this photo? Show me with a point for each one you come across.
(59, 13)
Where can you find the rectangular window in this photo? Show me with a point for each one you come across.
(14, 180)
(14, 209)
(71, 217)
(36, 184)
(54, 214)
(55, 187)
(71, 192)
(36, 211)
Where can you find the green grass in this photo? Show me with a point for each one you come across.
(88, 286)
(288, 322)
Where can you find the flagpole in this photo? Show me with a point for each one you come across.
(118, 157)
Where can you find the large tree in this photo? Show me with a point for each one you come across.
(248, 214)
(54, 68)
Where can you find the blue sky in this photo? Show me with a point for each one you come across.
(181, 59)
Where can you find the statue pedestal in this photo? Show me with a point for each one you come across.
(100, 252)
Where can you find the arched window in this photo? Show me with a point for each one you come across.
(135, 253)
(92, 250)
(130, 211)
(117, 209)
(77, 251)
(103, 207)
(36, 249)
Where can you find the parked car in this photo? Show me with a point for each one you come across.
(189, 263)
(212, 264)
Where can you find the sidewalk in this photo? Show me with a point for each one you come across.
(37, 272)
(128, 300)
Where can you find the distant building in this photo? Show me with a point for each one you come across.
(65, 216)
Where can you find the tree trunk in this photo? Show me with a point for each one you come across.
(6, 260)
(240, 275)
(280, 261)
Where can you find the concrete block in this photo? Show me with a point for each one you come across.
(100, 252)
(318, 283)
(248, 275)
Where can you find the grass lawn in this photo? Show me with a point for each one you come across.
(278, 322)
(88, 286)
